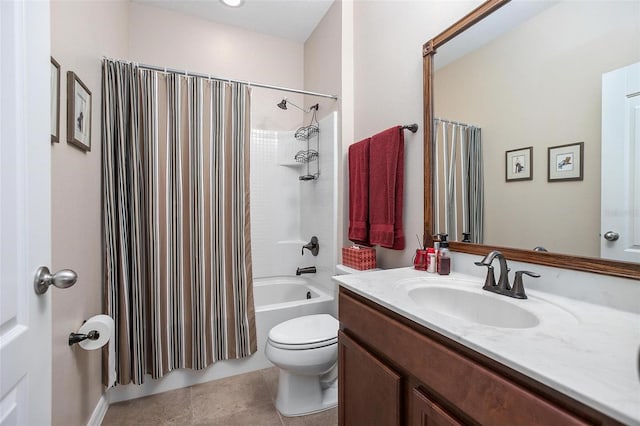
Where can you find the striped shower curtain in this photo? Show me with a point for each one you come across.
(177, 261)
(459, 184)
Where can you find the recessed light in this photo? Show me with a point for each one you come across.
(232, 3)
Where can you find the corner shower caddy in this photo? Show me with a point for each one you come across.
(311, 135)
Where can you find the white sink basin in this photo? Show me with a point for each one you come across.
(485, 309)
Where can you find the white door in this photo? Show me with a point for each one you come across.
(25, 224)
(620, 227)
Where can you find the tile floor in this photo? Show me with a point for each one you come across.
(244, 400)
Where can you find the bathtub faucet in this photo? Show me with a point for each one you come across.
(307, 270)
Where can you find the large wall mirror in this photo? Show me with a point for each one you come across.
(514, 145)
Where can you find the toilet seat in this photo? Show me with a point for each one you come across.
(303, 346)
(308, 332)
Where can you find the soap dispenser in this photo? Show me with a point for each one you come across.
(444, 260)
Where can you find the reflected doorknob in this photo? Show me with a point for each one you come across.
(44, 278)
(611, 236)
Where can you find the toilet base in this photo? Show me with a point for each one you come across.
(300, 395)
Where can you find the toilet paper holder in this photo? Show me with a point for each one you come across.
(79, 337)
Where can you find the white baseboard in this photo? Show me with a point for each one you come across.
(99, 412)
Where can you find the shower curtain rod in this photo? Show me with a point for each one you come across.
(230, 80)
(457, 123)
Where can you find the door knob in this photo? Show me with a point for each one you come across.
(64, 278)
(611, 236)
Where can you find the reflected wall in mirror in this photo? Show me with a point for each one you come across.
(536, 84)
(540, 85)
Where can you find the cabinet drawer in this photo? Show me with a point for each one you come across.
(475, 390)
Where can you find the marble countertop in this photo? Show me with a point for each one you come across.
(586, 351)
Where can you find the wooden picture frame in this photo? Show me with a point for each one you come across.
(565, 162)
(78, 113)
(519, 164)
(55, 101)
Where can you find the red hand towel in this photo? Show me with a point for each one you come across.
(386, 181)
(359, 192)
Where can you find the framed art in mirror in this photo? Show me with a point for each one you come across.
(78, 113)
(565, 162)
(519, 164)
(55, 101)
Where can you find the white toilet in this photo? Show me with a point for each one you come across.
(306, 351)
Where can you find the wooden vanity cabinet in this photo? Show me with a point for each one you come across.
(393, 371)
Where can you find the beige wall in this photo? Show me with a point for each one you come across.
(81, 32)
(387, 78)
(323, 73)
(160, 37)
(322, 61)
(559, 105)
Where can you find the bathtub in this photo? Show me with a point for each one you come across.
(275, 293)
(278, 299)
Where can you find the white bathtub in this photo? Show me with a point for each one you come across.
(278, 299)
(275, 293)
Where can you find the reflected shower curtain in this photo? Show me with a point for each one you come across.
(475, 185)
(459, 183)
(177, 271)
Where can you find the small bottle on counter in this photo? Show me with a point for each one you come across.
(443, 259)
(431, 260)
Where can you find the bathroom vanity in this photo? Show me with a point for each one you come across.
(403, 364)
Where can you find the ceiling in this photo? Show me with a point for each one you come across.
(290, 19)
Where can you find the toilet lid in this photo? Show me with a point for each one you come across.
(321, 329)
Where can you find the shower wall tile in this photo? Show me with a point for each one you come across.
(287, 148)
(275, 200)
(318, 204)
(285, 211)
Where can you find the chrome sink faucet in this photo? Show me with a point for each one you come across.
(503, 287)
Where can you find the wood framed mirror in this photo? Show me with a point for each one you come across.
(587, 263)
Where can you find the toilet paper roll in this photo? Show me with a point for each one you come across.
(103, 324)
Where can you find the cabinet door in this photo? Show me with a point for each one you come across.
(368, 390)
(425, 412)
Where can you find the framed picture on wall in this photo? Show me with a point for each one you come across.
(78, 113)
(519, 164)
(566, 162)
(55, 101)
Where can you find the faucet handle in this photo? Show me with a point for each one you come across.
(518, 285)
(490, 280)
(313, 246)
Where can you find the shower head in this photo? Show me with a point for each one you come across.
(283, 105)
